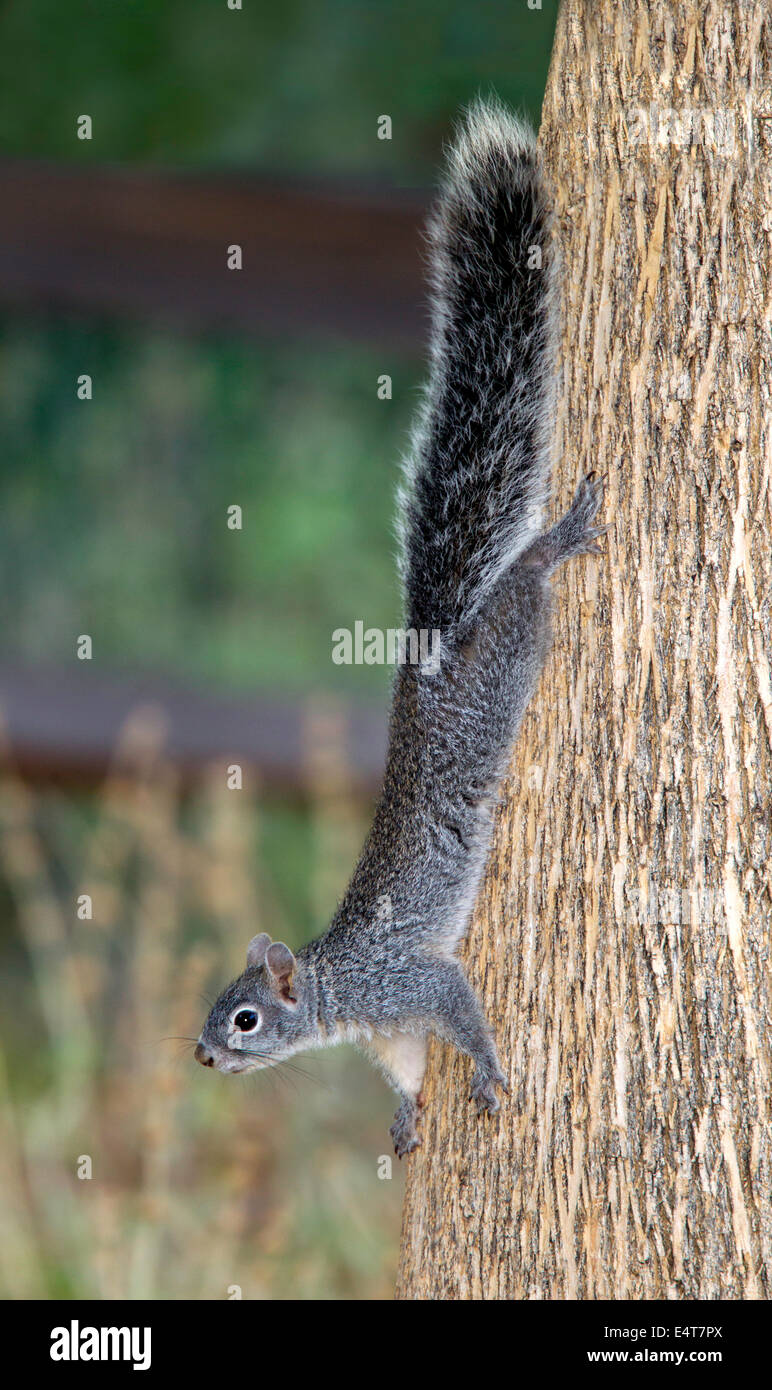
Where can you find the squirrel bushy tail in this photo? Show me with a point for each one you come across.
(478, 478)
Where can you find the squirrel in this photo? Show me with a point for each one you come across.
(476, 566)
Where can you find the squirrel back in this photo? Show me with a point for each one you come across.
(478, 477)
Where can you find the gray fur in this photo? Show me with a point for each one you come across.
(477, 567)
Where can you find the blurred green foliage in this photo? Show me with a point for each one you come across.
(114, 516)
(294, 87)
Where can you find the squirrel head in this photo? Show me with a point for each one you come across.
(260, 1018)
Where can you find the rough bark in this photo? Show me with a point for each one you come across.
(622, 940)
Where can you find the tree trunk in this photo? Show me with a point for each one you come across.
(622, 940)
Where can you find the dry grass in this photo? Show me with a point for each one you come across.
(199, 1182)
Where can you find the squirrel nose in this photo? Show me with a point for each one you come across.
(203, 1055)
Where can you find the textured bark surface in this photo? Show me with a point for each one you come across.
(622, 940)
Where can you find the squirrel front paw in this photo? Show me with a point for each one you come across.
(403, 1131)
(484, 1085)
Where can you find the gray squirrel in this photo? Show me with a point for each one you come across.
(476, 565)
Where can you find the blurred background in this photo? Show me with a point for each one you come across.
(131, 877)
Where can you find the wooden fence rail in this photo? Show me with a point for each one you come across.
(328, 260)
(66, 727)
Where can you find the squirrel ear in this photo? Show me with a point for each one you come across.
(257, 948)
(280, 964)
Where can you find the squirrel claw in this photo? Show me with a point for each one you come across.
(403, 1147)
(403, 1130)
(484, 1092)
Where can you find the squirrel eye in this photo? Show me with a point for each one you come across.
(246, 1020)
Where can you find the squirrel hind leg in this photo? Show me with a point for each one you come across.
(575, 533)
